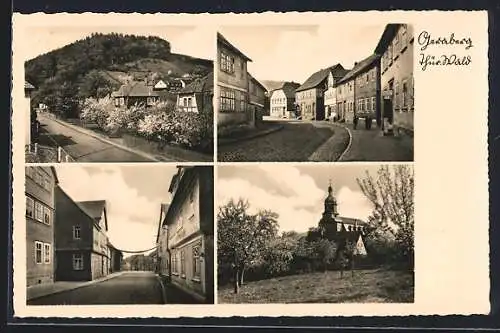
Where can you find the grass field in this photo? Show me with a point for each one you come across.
(366, 286)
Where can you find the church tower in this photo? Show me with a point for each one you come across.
(330, 218)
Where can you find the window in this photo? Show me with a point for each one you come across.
(227, 99)
(183, 263)
(38, 211)
(367, 77)
(77, 232)
(404, 96)
(242, 102)
(46, 253)
(174, 263)
(77, 262)
(46, 215)
(117, 101)
(339, 227)
(403, 36)
(30, 206)
(226, 63)
(367, 104)
(196, 261)
(46, 183)
(397, 95)
(38, 177)
(374, 104)
(38, 252)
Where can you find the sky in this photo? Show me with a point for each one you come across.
(189, 40)
(293, 53)
(133, 196)
(296, 192)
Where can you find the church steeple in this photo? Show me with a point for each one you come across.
(330, 202)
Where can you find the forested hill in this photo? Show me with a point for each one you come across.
(81, 68)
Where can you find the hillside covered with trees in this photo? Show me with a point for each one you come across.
(85, 68)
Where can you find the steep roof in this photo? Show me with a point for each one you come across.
(222, 40)
(94, 208)
(273, 85)
(28, 86)
(359, 67)
(257, 82)
(289, 89)
(135, 89)
(314, 80)
(387, 36)
(199, 85)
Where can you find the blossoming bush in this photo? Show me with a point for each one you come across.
(96, 111)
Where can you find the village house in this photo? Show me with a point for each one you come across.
(257, 98)
(116, 258)
(396, 75)
(186, 234)
(81, 241)
(365, 79)
(310, 95)
(282, 101)
(137, 92)
(232, 85)
(197, 96)
(161, 241)
(28, 91)
(345, 98)
(331, 112)
(341, 229)
(160, 85)
(175, 85)
(40, 211)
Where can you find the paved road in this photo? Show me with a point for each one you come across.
(85, 148)
(294, 143)
(128, 288)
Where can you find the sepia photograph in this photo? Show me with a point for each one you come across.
(118, 94)
(119, 235)
(308, 93)
(315, 234)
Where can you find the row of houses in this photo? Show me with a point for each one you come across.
(66, 240)
(185, 236)
(196, 96)
(379, 87)
(241, 97)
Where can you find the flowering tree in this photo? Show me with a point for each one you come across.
(96, 111)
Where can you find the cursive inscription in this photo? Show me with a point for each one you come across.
(427, 41)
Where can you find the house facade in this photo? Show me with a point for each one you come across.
(162, 266)
(310, 95)
(282, 101)
(82, 249)
(137, 92)
(28, 90)
(396, 76)
(197, 96)
(187, 242)
(257, 98)
(232, 85)
(116, 258)
(345, 99)
(331, 98)
(40, 211)
(362, 90)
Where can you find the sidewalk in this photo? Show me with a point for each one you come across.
(41, 290)
(333, 149)
(247, 134)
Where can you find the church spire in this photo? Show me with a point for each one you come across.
(330, 201)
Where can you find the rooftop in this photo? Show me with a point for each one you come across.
(222, 40)
(314, 80)
(359, 67)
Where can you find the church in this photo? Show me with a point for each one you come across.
(339, 228)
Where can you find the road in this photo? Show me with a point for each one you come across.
(128, 288)
(294, 143)
(83, 147)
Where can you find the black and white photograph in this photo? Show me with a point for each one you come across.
(119, 94)
(119, 235)
(309, 93)
(315, 234)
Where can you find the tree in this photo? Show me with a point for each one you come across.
(392, 194)
(242, 237)
(324, 250)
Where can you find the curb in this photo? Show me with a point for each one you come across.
(100, 138)
(326, 143)
(348, 145)
(224, 142)
(86, 284)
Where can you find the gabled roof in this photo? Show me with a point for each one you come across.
(222, 40)
(352, 221)
(257, 82)
(94, 209)
(359, 68)
(28, 86)
(199, 85)
(289, 89)
(273, 85)
(135, 89)
(387, 36)
(317, 78)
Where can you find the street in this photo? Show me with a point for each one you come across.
(128, 288)
(319, 141)
(83, 147)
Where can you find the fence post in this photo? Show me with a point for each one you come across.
(36, 148)
(67, 158)
(59, 154)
